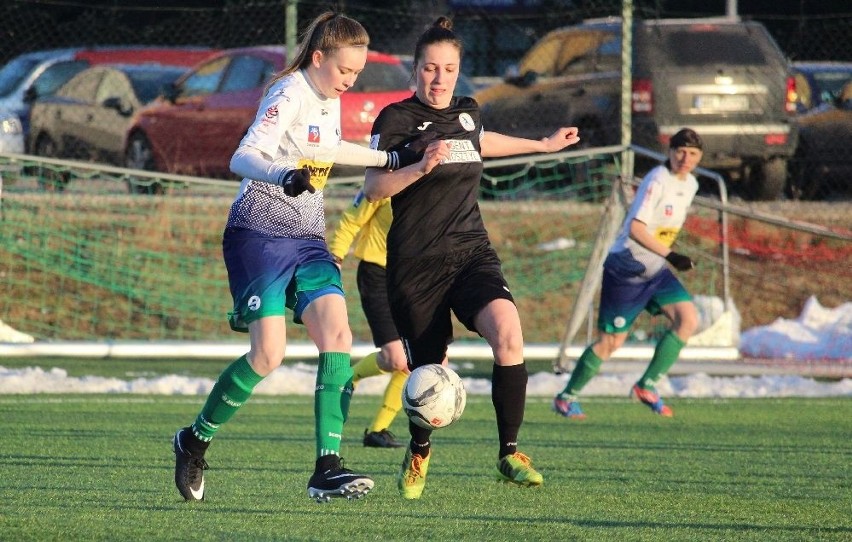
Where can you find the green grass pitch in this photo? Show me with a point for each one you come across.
(100, 467)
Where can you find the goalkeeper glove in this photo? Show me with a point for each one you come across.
(679, 261)
(296, 181)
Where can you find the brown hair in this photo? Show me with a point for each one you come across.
(328, 32)
(441, 31)
(686, 137)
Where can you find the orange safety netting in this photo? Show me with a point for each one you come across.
(763, 241)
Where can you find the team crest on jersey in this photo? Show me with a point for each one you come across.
(313, 134)
(271, 112)
(669, 210)
(467, 122)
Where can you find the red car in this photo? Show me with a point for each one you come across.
(195, 128)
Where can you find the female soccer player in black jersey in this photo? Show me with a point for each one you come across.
(440, 260)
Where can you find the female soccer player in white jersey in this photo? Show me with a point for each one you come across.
(276, 256)
(636, 278)
(440, 260)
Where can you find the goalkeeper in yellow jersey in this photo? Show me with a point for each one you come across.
(369, 223)
(636, 277)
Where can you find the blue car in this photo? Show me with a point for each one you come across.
(822, 165)
(819, 84)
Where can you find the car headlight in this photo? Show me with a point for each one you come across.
(10, 124)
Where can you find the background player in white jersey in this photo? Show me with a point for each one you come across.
(440, 259)
(636, 278)
(277, 259)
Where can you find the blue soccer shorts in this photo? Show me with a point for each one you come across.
(268, 275)
(623, 299)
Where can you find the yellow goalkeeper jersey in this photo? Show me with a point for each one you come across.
(369, 223)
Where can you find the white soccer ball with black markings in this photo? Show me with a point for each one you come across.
(434, 396)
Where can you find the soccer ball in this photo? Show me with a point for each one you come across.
(433, 396)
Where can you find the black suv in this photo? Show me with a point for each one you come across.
(725, 78)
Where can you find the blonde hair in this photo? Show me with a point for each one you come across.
(327, 32)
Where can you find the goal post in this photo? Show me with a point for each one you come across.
(611, 218)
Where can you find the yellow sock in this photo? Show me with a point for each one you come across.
(392, 402)
(366, 367)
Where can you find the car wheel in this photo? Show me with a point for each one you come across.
(768, 179)
(50, 178)
(140, 155)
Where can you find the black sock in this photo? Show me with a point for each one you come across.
(509, 395)
(420, 444)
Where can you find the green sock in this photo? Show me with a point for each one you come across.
(231, 391)
(331, 400)
(586, 368)
(366, 367)
(665, 355)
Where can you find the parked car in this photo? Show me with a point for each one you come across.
(88, 117)
(40, 73)
(822, 165)
(11, 133)
(195, 127)
(820, 84)
(725, 78)
(16, 76)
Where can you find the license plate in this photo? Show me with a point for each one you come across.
(721, 102)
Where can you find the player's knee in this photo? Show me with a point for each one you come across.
(266, 358)
(608, 343)
(687, 320)
(508, 345)
(339, 339)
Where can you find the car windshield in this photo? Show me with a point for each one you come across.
(830, 84)
(382, 77)
(689, 48)
(57, 75)
(14, 72)
(148, 84)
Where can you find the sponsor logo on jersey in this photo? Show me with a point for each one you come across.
(313, 134)
(669, 210)
(374, 142)
(319, 172)
(461, 150)
(424, 125)
(666, 235)
(467, 122)
(270, 118)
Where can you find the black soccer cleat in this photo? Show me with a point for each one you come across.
(381, 439)
(189, 466)
(338, 481)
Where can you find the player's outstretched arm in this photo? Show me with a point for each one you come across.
(495, 144)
